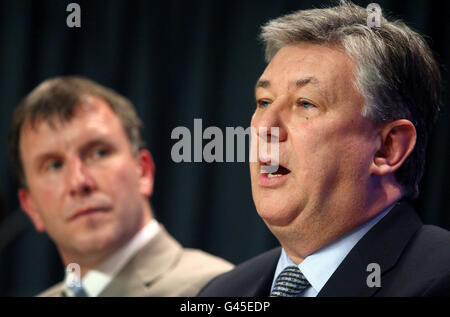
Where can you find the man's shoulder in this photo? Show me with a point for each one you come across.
(198, 266)
(256, 264)
(168, 269)
(433, 234)
(194, 269)
(53, 291)
(430, 245)
(250, 278)
(424, 267)
(198, 260)
(411, 256)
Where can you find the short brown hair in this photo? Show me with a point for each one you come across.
(57, 98)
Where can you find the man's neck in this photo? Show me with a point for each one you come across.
(309, 235)
(90, 261)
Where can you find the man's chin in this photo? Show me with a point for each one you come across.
(274, 216)
(98, 242)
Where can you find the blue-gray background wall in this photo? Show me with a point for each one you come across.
(176, 60)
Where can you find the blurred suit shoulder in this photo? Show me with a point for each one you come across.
(54, 291)
(161, 268)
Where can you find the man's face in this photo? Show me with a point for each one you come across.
(86, 188)
(325, 144)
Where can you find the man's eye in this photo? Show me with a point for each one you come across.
(100, 152)
(305, 104)
(263, 103)
(53, 165)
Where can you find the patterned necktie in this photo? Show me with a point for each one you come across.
(290, 283)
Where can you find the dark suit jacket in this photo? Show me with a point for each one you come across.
(414, 260)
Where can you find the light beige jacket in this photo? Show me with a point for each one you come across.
(161, 268)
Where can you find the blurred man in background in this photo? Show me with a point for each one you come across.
(85, 180)
(354, 105)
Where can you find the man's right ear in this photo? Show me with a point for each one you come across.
(27, 205)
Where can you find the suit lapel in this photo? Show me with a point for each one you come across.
(148, 265)
(264, 273)
(383, 244)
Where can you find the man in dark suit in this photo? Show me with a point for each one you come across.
(348, 105)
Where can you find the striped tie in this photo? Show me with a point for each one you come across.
(290, 283)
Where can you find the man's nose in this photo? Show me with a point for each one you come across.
(270, 124)
(79, 179)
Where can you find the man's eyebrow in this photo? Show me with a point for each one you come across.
(88, 145)
(315, 82)
(262, 83)
(307, 80)
(41, 158)
(299, 83)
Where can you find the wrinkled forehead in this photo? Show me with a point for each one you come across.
(331, 67)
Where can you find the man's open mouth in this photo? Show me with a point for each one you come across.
(274, 171)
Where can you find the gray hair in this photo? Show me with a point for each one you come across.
(395, 69)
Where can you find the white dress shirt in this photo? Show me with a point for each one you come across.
(95, 281)
(319, 266)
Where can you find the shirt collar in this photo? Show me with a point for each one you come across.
(319, 266)
(95, 281)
